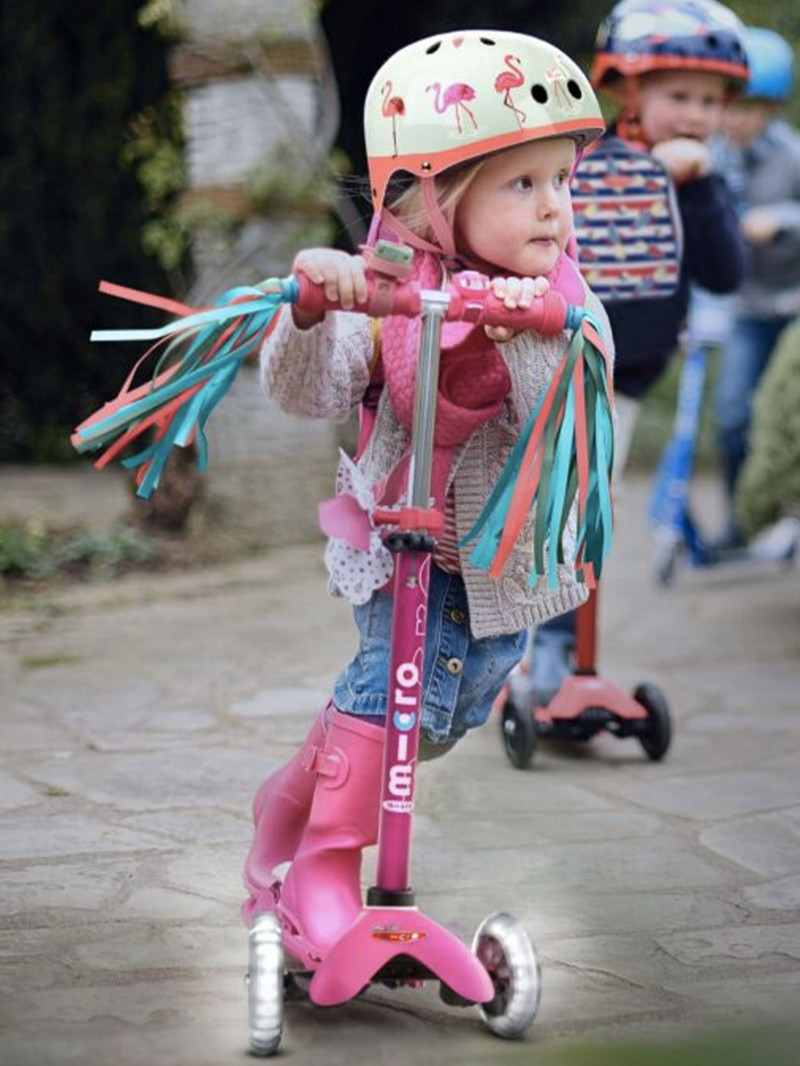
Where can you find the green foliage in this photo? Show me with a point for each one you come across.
(769, 484)
(32, 550)
(753, 1045)
(73, 74)
(163, 15)
(154, 151)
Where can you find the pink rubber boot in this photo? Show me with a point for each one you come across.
(321, 894)
(280, 812)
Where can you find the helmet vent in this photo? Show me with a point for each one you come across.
(488, 40)
(433, 48)
(574, 89)
(712, 41)
(539, 93)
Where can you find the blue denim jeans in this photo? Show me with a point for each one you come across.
(745, 356)
(462, 676)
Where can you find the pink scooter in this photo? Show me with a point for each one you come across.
(391, 942)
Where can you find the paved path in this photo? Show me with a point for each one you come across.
(138, 717)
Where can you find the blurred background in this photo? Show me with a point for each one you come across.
(181, 146)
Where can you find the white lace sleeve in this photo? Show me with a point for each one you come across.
(356, 572)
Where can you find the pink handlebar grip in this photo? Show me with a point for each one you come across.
(470, 300)
(384, 297)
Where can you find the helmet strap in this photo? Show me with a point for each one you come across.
(441, 227)
(400, 229)
(445, 250)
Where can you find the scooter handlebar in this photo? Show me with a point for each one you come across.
(469, 298)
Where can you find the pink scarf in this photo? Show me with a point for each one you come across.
(474, 379)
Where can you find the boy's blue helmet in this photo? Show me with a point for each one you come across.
(771, 65)
(641, 36)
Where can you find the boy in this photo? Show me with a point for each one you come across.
(670, 66)
(760, 155)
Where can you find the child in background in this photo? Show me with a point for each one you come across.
(470, 151)
(759, 154)
(670, 66)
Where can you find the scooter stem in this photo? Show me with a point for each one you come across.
(434, 307)
(409, 621)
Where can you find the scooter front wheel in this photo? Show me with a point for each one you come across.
(519, 734)
(265, 981)
(505, 950)
(658, 735)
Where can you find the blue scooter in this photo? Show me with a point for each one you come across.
(676, 533)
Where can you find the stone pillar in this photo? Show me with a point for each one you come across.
(259, 95)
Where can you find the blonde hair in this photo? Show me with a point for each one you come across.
(450, 187)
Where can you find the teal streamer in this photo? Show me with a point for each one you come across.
(492, 517)
(558, 503)
(557, 489)
(214, 316)
(193, 337)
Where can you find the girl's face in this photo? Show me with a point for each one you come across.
(516, 214)
(680, 103)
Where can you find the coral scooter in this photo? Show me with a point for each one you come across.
(391, 942)
(585, 704)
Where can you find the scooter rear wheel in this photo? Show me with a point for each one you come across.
(265, 981)
(505, 950)
(658, 736)
(519, 734)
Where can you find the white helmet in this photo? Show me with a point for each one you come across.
(457, 96)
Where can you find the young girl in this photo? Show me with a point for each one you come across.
(483, 129)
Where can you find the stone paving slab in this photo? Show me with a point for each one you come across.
(138, 717)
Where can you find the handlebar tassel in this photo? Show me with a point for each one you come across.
(202, 353)
(564, 455)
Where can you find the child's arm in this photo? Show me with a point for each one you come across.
(762, 224)
(342, 274)
(714, 252)
(319, 367)
(684, 159)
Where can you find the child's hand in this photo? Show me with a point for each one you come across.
(758, 225)
(684, 158)
(342, 275)
(515, 292)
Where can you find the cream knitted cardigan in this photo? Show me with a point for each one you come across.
(323, 372)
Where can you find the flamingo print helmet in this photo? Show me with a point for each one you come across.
(457, 96)
(640, 36)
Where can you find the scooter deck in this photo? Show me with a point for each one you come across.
(380, 936)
